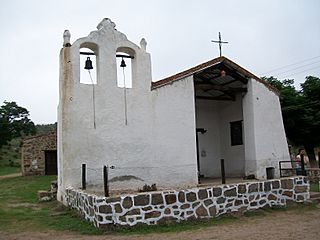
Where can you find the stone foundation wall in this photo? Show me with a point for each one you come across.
(167, 206)
(33, 153)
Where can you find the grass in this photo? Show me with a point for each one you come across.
(5, 170)
(21, 211)
(314, 187)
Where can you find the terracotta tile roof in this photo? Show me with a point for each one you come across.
(206, 65)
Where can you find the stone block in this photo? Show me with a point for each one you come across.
(253, 204)
(201, 211)
(156, 199)
(195, 204)
(148, 208)
(229, 205)
(167, 211)
(208, 202)
(221, 200)
(267, 186)
(212, 211)
(301, 189)
(167, 220)
(238, 202)
(185, 206)
(272, 197)
(127, 202)
(231, 192)
(112, 200)
(253, 188)
(135, 211)
(181, 197)
(100, 218)
(154, 214)
(300, 198)
(191, 197)
(276, 184)
(287, 183)
(44, 196)
(202, 194)
(118, 208)
(216, 191)
(242, 188)
(171, 198)
(141, 200)
(288, 193)
(105, 209)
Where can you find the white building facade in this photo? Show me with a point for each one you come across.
(167, 132)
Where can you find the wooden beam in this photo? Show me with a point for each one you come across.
(219, 98)
(210, 86)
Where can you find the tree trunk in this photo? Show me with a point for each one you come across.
(312, 157)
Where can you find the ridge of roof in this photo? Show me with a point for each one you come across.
(40, 135)
(202, 66)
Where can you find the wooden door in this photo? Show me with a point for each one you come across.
(51, 163)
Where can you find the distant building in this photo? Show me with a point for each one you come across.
(39, 155)
(168, 132)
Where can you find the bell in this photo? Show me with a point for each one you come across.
(88, 64)
(123, 64)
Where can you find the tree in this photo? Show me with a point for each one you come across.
(301, 112)
(14, 122)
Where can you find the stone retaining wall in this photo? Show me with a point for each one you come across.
(167, 206)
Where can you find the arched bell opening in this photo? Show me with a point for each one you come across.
(88, 63)
(124, 59)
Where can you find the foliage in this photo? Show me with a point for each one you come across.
(301, 112)
(10, 154)
(14, 122)
(46, 128)
(5, 170)
(148, 188)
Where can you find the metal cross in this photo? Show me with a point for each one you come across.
(220, 43)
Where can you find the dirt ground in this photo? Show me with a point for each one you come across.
(10, 175)
(291, 224)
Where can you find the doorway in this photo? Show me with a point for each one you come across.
(51, 167)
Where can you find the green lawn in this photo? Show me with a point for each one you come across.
(5, 170)
(20, 210)
(314, 187)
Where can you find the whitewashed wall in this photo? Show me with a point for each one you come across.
(158, 143)
(209, 143)
(233, 155)
(215, 117)
(265, 140)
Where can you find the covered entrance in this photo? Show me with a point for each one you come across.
(51, 167)
(219, 90)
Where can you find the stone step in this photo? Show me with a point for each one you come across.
(314, 195)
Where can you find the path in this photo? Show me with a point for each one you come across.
(11, 175)
(285, 225)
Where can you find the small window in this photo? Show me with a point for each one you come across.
(236, 133)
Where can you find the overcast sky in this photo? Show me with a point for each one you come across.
(262, 36)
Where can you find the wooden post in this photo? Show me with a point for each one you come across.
(84, 176)
(223, 174)
(319, 159)
(105, 181)
(303, 171)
